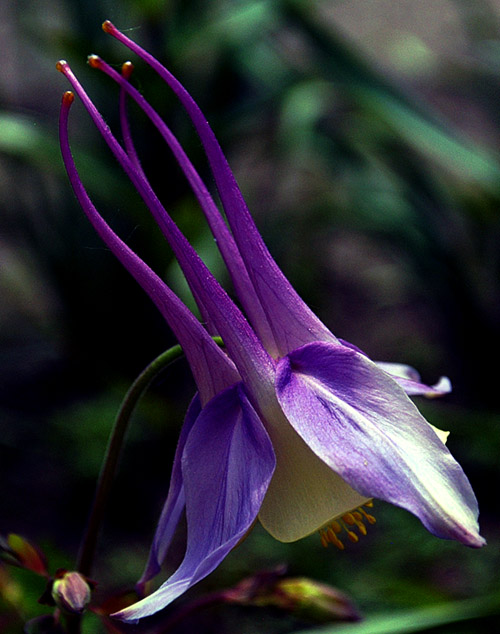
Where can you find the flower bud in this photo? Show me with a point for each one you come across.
(313, 600)
(71, 591)
(300, 596)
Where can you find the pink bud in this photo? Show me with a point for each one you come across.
(71, 591)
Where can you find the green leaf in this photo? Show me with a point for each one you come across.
(419, 619)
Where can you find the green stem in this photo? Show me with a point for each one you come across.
(71, 623)
(113, 450)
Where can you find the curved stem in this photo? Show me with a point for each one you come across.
(113, 450)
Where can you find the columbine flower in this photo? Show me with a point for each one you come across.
(292, 425)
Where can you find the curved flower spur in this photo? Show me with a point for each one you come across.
(292, 425)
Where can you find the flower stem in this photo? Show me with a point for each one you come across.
(113, 450)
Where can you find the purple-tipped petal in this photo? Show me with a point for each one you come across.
(227, 464)
(128, 141)
(174, 504)
(364, 427)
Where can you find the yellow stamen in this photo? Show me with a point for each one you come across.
(336, 542)
(359, 522)
(347, 522)
(330, 535)
(324, 539)
(362, 529)
(353, 537)
(369, 518)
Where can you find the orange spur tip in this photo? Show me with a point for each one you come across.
(127, 69)
(94, 61)
(68, 98)
(107, 26)
(61, 65)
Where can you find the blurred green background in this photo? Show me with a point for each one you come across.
(365, 137)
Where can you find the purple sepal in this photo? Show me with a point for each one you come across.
(174, 504)
(360, 422)
(409, 379)
(227, 464)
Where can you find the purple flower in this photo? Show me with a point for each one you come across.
(292, 425)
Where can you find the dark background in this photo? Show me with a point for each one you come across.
(365, 138)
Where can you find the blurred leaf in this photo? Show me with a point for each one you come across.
(20, 552)
(412, 118)
(419, 620)
(25, 139)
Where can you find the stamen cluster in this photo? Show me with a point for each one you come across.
(346, 522)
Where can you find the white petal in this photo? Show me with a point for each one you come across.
(442, 435)
(304, 493)
(399, 369)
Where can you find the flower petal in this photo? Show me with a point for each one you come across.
(362, 425)
(227, 464)
(409, 379)
(174, 504)
(304, 493)
(245, 349)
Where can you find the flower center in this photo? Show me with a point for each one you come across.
(344, 524)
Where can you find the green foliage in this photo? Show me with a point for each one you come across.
(421, 620)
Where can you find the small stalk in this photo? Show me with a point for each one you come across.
(113, 451)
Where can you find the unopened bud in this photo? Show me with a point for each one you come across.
(312, 600)
(71, 591)
(303, 597)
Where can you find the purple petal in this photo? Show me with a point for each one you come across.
(227, 464)
(361, 423)
(409, 379)
(174, 504)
